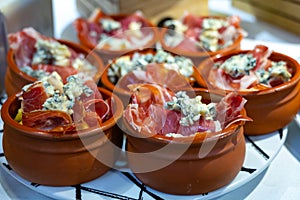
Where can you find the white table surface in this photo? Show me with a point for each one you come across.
(281, 180)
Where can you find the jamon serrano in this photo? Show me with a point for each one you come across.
(114, 33)
(41, 53)
(176, 113)
(57, 107)
(249, 71)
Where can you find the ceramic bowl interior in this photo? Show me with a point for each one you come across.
(15, 79)
(125, 94)
(271, 109)
(107, 54)
(199, 56)
(59, 159)
(187, 165)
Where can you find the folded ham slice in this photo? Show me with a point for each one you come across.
(147, 113)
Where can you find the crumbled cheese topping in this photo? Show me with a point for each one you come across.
(191, 108)
(176, 25)
(110, 24)
(277, 70)
(238, 65)
(51, 52)
(125, 64)
(38, 74)
(208, 37)
(75, 87)
(62, 97)
(214, 23)
(135, 28)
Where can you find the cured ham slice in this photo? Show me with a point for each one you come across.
(53, 120)
(149, 116)
(34, 97)
(92, 30)
(98, 106)
(39, 52)
(155, 73)
(64, 107)
(257, 78)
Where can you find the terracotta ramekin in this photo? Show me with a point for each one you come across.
(271, 109)
(199, 56)
(187, 165)
(125, 94)
(15, 79)
(61, 159)
(108, 54)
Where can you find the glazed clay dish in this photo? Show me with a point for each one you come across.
(268, 80)
(33, 55)
(200, 37)
(149, 65)
(166, 154)
(56, 148)
(113, 35)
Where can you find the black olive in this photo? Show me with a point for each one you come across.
(161, 23)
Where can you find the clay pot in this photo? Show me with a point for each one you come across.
(199, 56)
(108, 54)
(15, 79)
(187, 165)
(61, 159)
(271, 109)
(125, 94)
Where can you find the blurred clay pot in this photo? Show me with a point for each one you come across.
(106, 53)
(15, 79)
(187, 165)
(125, 94)
(271, 109)
(61, 159)
(199, 56)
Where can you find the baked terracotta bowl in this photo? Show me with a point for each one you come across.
(114, 35)
(61, 158)
(149, 65)
(15, 78)
(272, 101)
(183, 163)
(198, 37)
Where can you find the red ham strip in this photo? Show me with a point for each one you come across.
(34, 97)
(91, 28)
(220, 79)
(88, 111)
(155, 73)
(23, 45)
(149, 116)
(98, 106)
(50, 120)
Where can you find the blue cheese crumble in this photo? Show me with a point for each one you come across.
(109, 24)
(38, 74)
(278, 70)
(51, 52)
(238, 65)
(209, 35)
(62, 97)
(191, 108)
(126, 64)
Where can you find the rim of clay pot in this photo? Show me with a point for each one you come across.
(278, 57)
(32, 132)
(84, 40)
(76, 47)
(193, 139)
(111, 86)
(178, 51)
